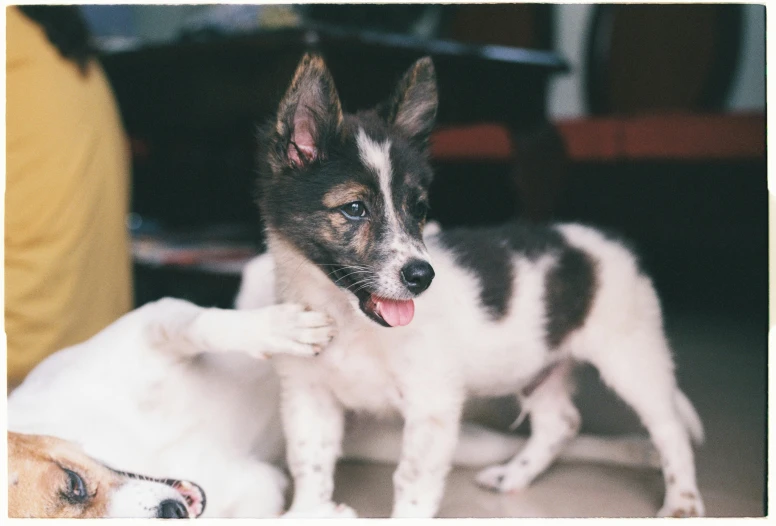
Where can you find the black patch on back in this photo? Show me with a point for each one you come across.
(530, 240)
(488, 253)
(569, 289)
(570, 284)
(489, 260)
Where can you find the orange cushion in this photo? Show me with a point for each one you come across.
(478, 142)
(676, 136)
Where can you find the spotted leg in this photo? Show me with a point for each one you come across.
(554, 422)
(313, 421)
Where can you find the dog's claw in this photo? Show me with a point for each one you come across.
(503, 478)
(682, 504)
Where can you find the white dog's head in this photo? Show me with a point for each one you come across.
(52, 478)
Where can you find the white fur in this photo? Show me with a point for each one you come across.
(144, 396)
(425, 370)
(377, 156)
(159, 393)
(140, 499)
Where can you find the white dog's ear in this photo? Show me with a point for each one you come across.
(412, 107)
(309, 115)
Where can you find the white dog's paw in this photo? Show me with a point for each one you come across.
(504, 478)
(293, 329)
(682, 504)
(329, 510)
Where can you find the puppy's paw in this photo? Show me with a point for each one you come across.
(503, 478)
(329, 510)
(299, 331)
(682, 504)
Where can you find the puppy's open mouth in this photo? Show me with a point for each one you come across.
(387, 312)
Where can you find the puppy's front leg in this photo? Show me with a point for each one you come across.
(430, 437)
(313, 422)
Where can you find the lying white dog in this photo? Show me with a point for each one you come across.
(157, 393)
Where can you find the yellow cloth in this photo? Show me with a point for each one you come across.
(67, 252)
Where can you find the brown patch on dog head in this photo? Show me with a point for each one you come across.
(671, 480)
(359, 240)
(42, 487)
(343, 194)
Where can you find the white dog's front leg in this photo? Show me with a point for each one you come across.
(313, 422)
(182, 328)
(429, 441)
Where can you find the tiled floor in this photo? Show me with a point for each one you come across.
(722, 367)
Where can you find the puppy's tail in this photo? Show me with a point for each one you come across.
(689, 417)
(479, 446)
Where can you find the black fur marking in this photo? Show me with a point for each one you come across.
(569, 289)
(489, 260)
(488, 253)
(530, 240)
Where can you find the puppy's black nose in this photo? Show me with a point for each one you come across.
(172, 509)
(417, 275)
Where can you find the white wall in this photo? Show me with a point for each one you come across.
(566, 99)
(160, 23)
(748, 90)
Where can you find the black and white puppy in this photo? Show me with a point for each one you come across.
(424, 323)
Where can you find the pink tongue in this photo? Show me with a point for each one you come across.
(395, 313)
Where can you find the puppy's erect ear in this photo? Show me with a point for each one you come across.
(412, 107)
(309, 114)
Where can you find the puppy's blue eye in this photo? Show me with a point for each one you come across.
(354, 210)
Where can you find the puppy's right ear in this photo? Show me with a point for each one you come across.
(413, 106)
(309, 115)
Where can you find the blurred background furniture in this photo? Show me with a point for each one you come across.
(671, 167)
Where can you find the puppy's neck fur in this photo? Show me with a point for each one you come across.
(297, 279)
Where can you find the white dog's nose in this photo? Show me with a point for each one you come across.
(172, 509)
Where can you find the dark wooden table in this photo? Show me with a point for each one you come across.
(210, 84)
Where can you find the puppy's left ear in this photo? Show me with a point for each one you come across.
(413, 106)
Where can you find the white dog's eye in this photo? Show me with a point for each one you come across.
(354, 210)
(75, 489)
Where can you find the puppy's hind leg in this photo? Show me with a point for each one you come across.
(640, 370)
(554, 421)
(185, 329)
